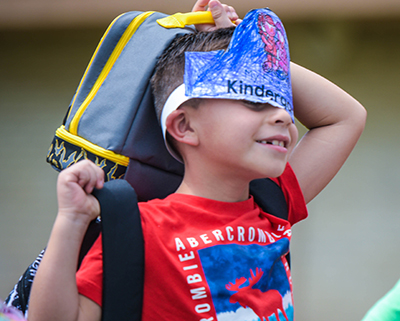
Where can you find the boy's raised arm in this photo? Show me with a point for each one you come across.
(54, 293)
(335, 121)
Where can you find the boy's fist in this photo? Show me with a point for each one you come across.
(74, 187)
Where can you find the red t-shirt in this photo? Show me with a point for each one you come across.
(211, 260)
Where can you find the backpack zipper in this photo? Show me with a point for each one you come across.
(130, 30)
(90, 63)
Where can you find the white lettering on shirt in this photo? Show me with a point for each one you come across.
(261, 236)
(252, 234)
(271, 239)
(191, 267)
(186, 256)
(192, 242)
(179, 244)
(288, 233)
(218, 235)
(240, 233)
(202, 308)
(229, 229)
(195, 278)
(199, 293)
(205, 239)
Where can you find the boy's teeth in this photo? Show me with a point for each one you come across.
(273, 142)
(277, 143)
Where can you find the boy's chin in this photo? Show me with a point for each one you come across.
(273, 172)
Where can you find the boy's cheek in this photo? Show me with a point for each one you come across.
(294, 133)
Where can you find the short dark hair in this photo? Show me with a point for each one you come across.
(170, 67)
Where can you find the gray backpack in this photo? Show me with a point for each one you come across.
(111, 119)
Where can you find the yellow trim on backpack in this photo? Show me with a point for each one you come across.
(180, 20)
(91, 61)
(126, 36)
(62, 133)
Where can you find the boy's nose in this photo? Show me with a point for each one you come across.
(280, 116)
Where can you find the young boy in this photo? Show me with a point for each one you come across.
(210, 252)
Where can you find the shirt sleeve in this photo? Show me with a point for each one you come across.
(297, 209)
(89, 277)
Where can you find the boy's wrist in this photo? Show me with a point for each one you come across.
(67, 235)
(73, 220)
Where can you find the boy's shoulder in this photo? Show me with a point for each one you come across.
(270, 200)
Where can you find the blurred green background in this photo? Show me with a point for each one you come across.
(344, 256)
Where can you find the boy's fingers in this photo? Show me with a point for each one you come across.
(231, 12)
(96, 178)
(238, 21)
(88, 175)
(100, 178)
(220, 15)
(200, 5)
(224, 16)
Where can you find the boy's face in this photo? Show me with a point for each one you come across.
(244, 138)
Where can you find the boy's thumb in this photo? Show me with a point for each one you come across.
(219, 14)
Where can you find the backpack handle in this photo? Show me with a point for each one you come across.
(180, 20)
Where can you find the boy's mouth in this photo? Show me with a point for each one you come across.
(274, 142)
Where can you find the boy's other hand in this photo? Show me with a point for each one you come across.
(74, 187)
(224, 16)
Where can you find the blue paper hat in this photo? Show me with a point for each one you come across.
(255, 67)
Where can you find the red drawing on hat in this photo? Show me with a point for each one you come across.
(264, 304)
(273, 36)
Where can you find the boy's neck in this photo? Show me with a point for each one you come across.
(214, 186)
(217, 193)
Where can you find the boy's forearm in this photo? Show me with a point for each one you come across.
(54, 293)
(318, 102)
(335, 121)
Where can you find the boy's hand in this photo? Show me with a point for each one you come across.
(224, 16)
(74, 187)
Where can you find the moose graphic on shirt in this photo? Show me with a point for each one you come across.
(264, 304)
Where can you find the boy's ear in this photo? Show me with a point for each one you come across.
(178, 126)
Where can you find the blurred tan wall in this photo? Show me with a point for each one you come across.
(28, 13)
(344, 256)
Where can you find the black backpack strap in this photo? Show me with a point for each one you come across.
(269, 196)
(123, 252)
